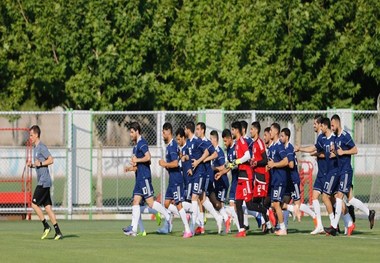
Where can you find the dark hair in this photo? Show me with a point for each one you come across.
(276, 126)
(203, 126)
(135, 126)
(326, 121)
(335, 117)
(168, 126)
(215, 134)
(267, 129)
(244, 125)
(180, 132)
(318, 118)
(257, 125)
(237, 125)
(190, 125)
(286, 131)
(36, 129)
(226, 133)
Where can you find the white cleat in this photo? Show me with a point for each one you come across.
(317, 231)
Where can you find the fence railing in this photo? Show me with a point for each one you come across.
(91, 149)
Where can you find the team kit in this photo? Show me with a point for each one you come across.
(265, 182)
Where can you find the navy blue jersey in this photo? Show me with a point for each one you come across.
(196, 149)
(277, 153)
(322, 168)
(331, 163)
(211, 150)
(344, 141)
(220, 160)
(172, 154)
(186, 165)
(231, 156)
(139, 150)
(291, 154)
(250, 142)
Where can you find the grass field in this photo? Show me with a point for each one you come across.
(103, 241)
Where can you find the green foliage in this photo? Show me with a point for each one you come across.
(151, 54)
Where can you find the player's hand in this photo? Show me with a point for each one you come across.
(162, 163)
(296, 148)
(218, 175)
(128, 169)
(37, 163)
(253, 162)
(267, 168)
(271, 163)
(340, 152)
(189, 172)
(184, 158)
(194, 163)
(29, 164)
(134, 160)
(332, 155)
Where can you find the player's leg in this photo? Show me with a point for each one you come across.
(136, 214)
(53, 220)
(38, 199)
(349, 225)
(195, 192)
(277, 194)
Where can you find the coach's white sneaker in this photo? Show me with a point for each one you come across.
(317, 231)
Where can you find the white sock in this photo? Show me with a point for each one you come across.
(347, 220)
(135, 217)
(201, 219)
(173, 209)
(282, 226)
(195, 209)
(209, 207)
(317, 210)
(186, 206)
(159, 208)
(359, 205)
(306, 209)
(182, 214)
(338, 211)
(141, 225)
(290, 208)
(223, 213)
(234, 216)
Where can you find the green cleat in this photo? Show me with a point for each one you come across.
(45, 233)
(58, 236)
(158, 219)
(141, 234)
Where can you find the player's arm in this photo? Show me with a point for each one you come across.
(211, 157)
(222, 172)
(145, 159)
(130, 169)
(264, 160)
(284, 162)
(306, 149)
(203, 157)
(352, 151)
(245, 158)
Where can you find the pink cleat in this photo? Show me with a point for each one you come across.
(187, 234)
(281, 232)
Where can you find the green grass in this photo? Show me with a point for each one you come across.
(103, 241)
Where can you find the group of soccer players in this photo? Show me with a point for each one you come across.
(264, 178)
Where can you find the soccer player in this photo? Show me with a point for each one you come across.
(41, 196)
(277, 163)
(293, 184)
(244, 189)
(174, 192)
(209, 192)
(344, 148)
(267, 139)
(322, 170)
(140, 163)
(197, 154)
(221, 183)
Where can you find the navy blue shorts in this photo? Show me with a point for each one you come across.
(319, 182)
(277, 192)
(198, 185)
(293, 190)
(331, 182)
(175, 192)
(221, 188)
(233, 189)
(144, 188)
(345, 181)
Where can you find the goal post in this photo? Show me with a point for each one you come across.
(15, 176)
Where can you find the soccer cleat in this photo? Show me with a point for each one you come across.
(130, 233)
(165, 229)
(281, 232)
(315, 221)
(199, 230)
(272, 217)
(241, 234)
(187, 234)
(219, 223)
(142, 234)
(127, 229)
(317, 231)
(58, 236)
(246, 228)
(45, 233)
(331, 231)
(371, 218)
(350, 229)
(258, 219)
(228, 225)
(158, 219)
(351, 211)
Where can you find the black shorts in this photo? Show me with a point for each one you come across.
(41, 196)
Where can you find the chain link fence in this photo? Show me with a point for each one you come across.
(91, 149)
